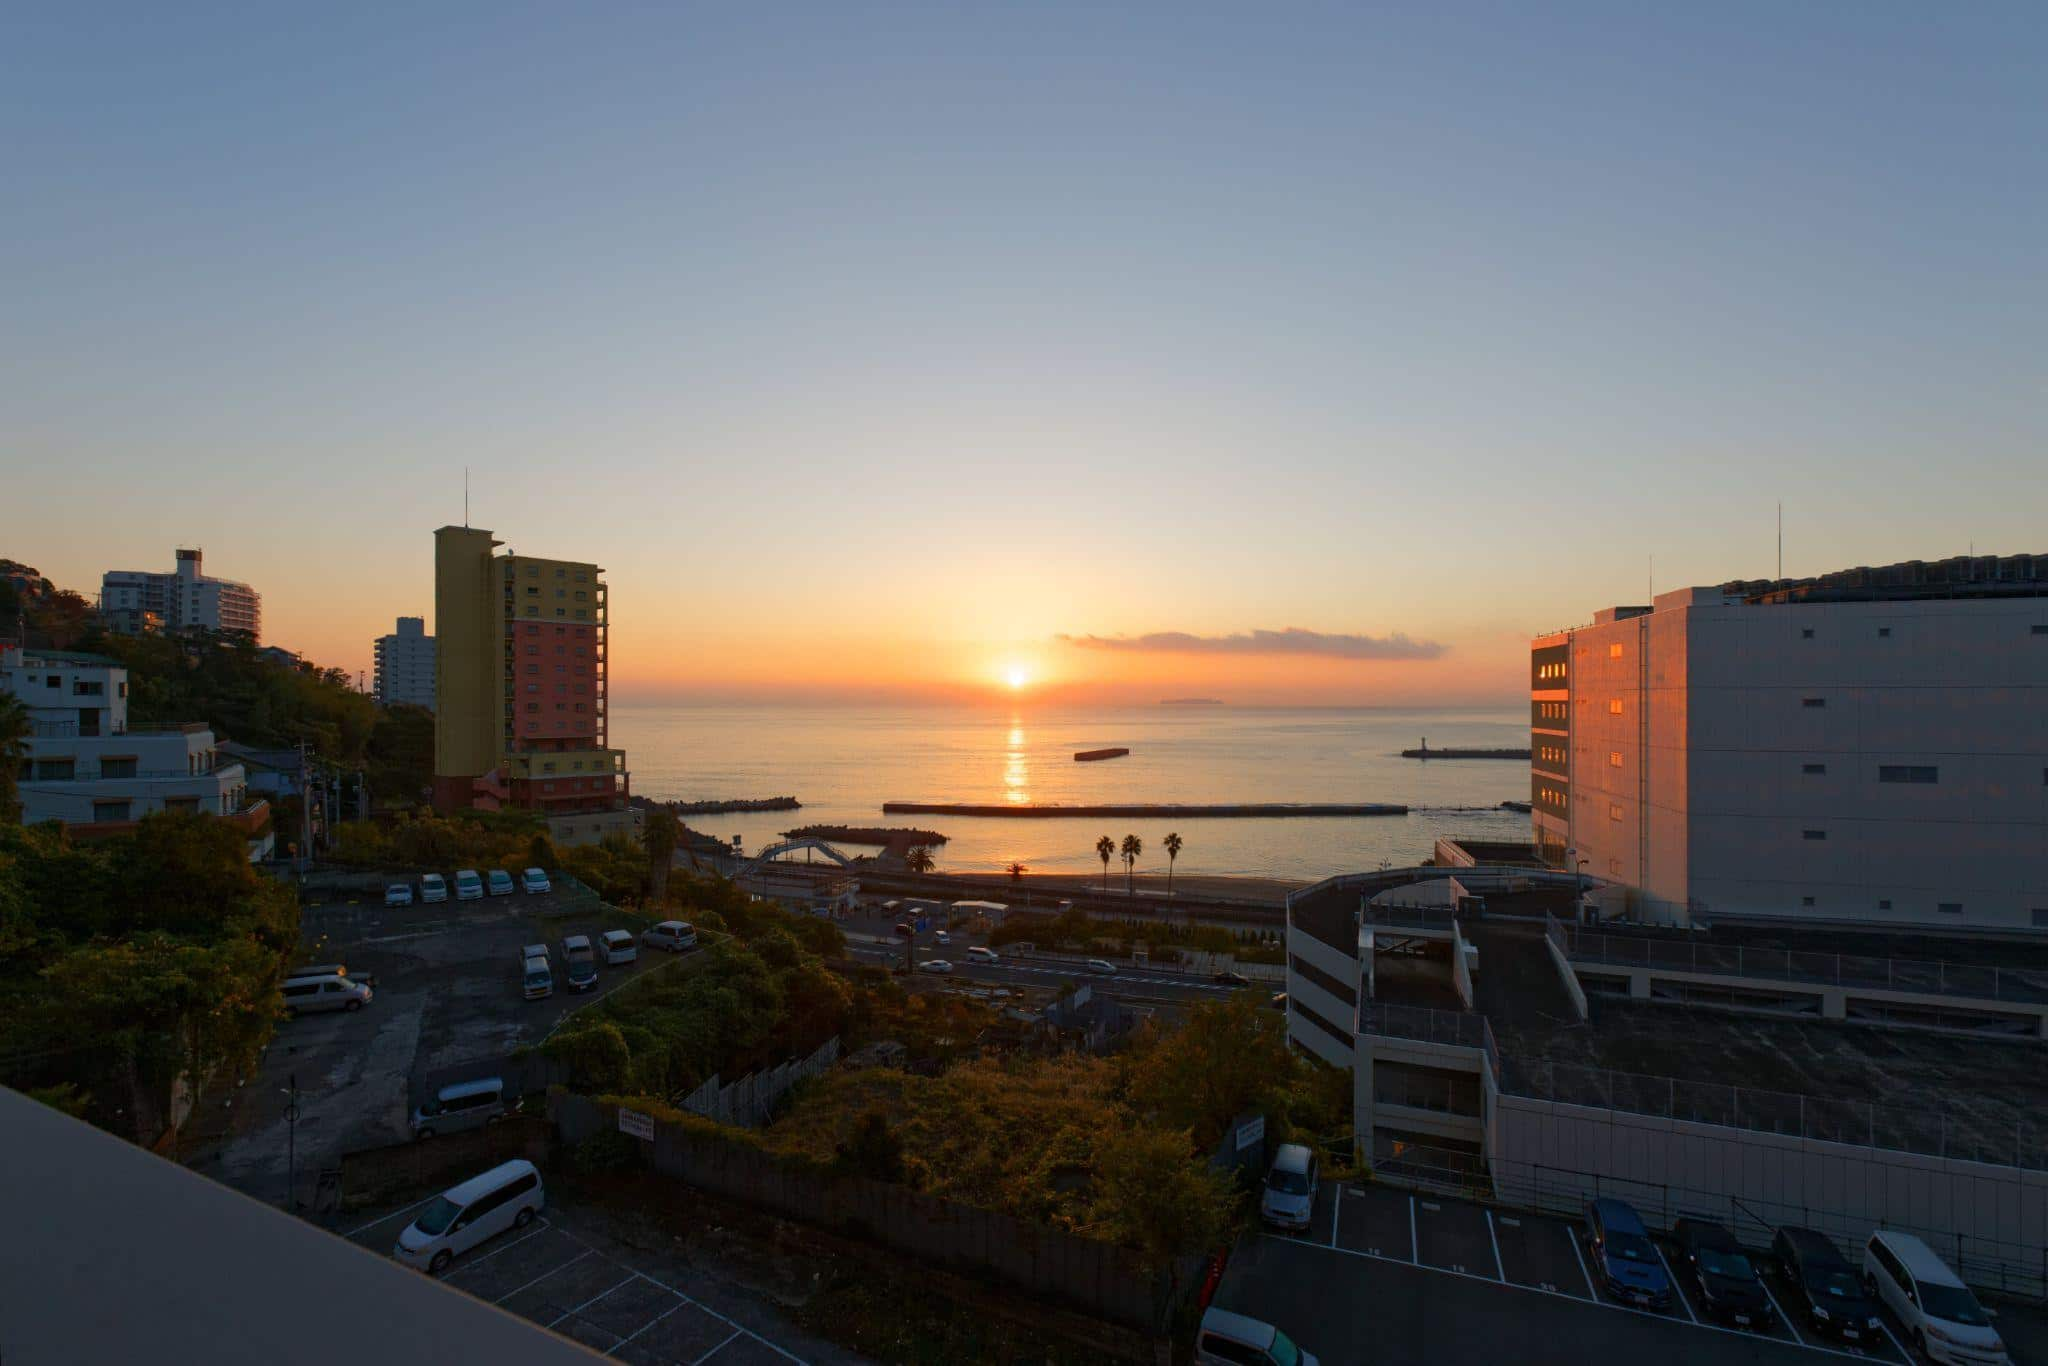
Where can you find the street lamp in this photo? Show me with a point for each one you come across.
(291, 1115)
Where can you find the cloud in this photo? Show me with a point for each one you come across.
(1292, 641)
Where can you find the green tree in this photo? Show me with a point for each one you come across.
(14, 735)
(1132, 847)
(1017, 871)
(658, 834)
(1173, 845)
(918, 860)
(1105, 848)
(1227, 1059)
(1156, 1194)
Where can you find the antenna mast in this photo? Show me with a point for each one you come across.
(1781, 538)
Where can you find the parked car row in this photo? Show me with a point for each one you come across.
(469, 886)
(580, 956)
(1940, 1316)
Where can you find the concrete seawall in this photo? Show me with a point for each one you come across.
(1257, 810)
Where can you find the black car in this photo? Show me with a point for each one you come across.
(1729, 1287)
(1231, 979)
(1825, 1287)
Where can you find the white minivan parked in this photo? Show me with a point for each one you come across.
(479, 1209)
(1227, 1339)
(620, 946)
(1940, 1316)
(1290, 1194)
(468, 886)
(433, 887)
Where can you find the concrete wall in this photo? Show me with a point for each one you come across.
(1991, 1222)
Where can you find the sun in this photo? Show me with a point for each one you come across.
(1017, 676)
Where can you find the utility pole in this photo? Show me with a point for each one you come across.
(305, 810)
(291, 1115)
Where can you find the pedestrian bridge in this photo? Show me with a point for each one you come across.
(775, 851)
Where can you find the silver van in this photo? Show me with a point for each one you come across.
(505, 1197)
(1290, 1195)
(1941, 1317)
(1227, 1339)
(466, 1105)
(307, 995)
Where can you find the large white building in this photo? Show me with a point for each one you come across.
(183, 599)
(405, 665)
(88, 767)
(1869, 747)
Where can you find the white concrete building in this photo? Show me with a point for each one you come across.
(1869, 747)
(88, 767)
(405, 665)
(183, 599)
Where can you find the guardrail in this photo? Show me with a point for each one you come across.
(1464, 1029)
(1928, 976)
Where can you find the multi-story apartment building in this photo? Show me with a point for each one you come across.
(405, 665)
(183, 599)
(520, 687)
(1867, 747)
(88, 767)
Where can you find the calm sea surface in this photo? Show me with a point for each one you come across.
(844, 762)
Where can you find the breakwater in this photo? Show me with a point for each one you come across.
(721, 808)
(895, 839)
(1224, 810)
(1427, 753)
(1089, 756)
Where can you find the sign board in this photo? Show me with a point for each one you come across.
(923, 924)
(1247, 1134)
(642, 1126)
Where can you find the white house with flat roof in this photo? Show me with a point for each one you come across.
(89, 767)
(1862, 748)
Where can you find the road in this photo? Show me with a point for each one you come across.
(1131, 982)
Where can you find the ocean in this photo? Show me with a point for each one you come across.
(842, 763)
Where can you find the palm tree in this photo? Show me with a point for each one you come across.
(918, 860)
(1016, 872)
(14, 733)
(659, 835)
(1105, 847)
(1172, 843)
(1133, 846)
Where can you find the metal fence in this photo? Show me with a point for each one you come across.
(1931, 977)
(2003, 1136)
(750, 1101)
(1461, 1028)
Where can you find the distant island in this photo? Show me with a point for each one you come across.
(1190, 701)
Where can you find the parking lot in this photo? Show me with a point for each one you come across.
(1385, 1275)
(575, 1282)
(447, 1007)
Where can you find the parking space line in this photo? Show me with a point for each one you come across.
(543, 1276)
(393, 1215)
(715, 1350)
(540, 1226)
(1336, 1215)
(697, 1305)
(1414, 1243)
(680, 1303)
(1592, 1291)
(1783, 1317)
(1672, 1278)
(1903, 1353)
(592, 1300)
(1559, 1294)
(1500, 1268)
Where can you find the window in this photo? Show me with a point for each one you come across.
(1223, 1349)
(1614, 651)
(55, 681)
(558, 612)
(1613, 811)
(61, 770)
(2040, 913)
(1813, 768)
(1813, 701)
(1614, 706)
(1884, 903)
(1949, 907)
(1813, 834)
(111, 811)
(1908, 773)
(1335, 985)
(1614, 758)
(1884, 633)
(532, 570)
(1806, 901)
(547, 768)
(2039, 630)
(181, 803)
(1806, 633)
(117, 768)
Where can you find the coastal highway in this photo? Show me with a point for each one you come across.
(1132, 982)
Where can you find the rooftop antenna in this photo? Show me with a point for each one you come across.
(1781, 538)
(465, 497)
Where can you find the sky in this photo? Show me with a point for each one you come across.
(1277, 353)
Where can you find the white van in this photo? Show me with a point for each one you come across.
(1290, 1193)
(620, 946)
(433, 887)
(308, 995)
(1227, 1339)
(977, 954)
(476, 1211)
(1941, 1318)
(536, 978)
(466, 1105)
(468, 886)
(673, 935)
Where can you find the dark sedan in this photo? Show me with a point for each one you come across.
(1728, 1284)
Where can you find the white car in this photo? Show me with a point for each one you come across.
(468, 885)
(505, 1197)
(942, 937)
(620, 946)
(1941, 1317)
(934, 965)
(1102, 967)
(535, 880)
(398, 894)
(433, 887)
(673, 935)
(978, 954)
